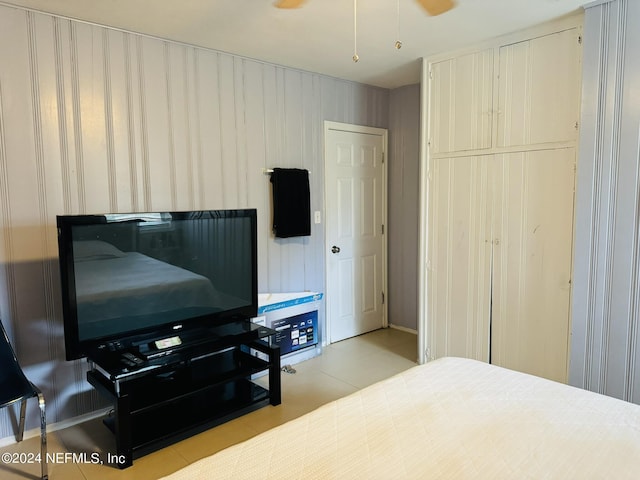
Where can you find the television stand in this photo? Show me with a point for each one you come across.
(160, 401)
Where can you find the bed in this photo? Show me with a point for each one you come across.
(451, 418)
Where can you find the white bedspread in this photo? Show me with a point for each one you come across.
(451, 418)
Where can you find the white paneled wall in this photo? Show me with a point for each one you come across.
(605, 348)
(94, 119)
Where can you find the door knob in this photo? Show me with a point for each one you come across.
(335, 249)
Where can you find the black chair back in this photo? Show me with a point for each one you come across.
(14, 385)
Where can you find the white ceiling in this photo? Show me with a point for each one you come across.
(318, 37)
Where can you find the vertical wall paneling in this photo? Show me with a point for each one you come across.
(92, 125)
(109, 124)
(618, 240)
(188, 105)
(120, 81)
(33, 273)
(605, 347)
(156, 104)
(311, 145)
(94, 120)
(240, 132)
(590, 181)
(208, 122)
(292, 157)
(403, 187)
(60, 59)
(144, 177)
(628, 334)
(131, 134)
(273, 127)
(228, 123)
(70, 393)
(257, 191)
(172, 79)
(191, 89)
(76, 114)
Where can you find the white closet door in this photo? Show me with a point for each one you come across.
(461, 102)
(539, 94)
(459, 256)
(532, 261)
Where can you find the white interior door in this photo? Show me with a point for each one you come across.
(355, 189)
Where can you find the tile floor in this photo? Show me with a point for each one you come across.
(342, 368)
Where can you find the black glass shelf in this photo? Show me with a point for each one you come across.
(198, 386)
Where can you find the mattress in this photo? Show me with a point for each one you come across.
(449, 419)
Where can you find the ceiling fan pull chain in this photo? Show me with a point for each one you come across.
(355, 31)
(398, 41)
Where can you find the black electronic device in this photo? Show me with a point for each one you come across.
(148, 280)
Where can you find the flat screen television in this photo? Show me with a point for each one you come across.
(145, 275)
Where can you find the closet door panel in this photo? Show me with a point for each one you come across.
(460, 102)
(459, 258)
(538, 94)
(533, 219)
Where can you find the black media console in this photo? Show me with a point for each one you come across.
(182, 388)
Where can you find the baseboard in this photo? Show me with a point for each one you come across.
(325, 343)
(52, 427)
(403, 329)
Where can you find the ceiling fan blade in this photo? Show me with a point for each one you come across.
(289, 3)
(436, 7)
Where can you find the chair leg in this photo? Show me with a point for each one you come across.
(43, 437)
(23, 410)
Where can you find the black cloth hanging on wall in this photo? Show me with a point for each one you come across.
(291, 202)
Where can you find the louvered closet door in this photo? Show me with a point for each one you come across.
(459, 258)
(532, 261)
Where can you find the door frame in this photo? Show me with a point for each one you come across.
(382, 132)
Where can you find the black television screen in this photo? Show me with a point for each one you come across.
(151, 273)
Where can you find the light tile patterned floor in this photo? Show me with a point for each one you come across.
(342, 368)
